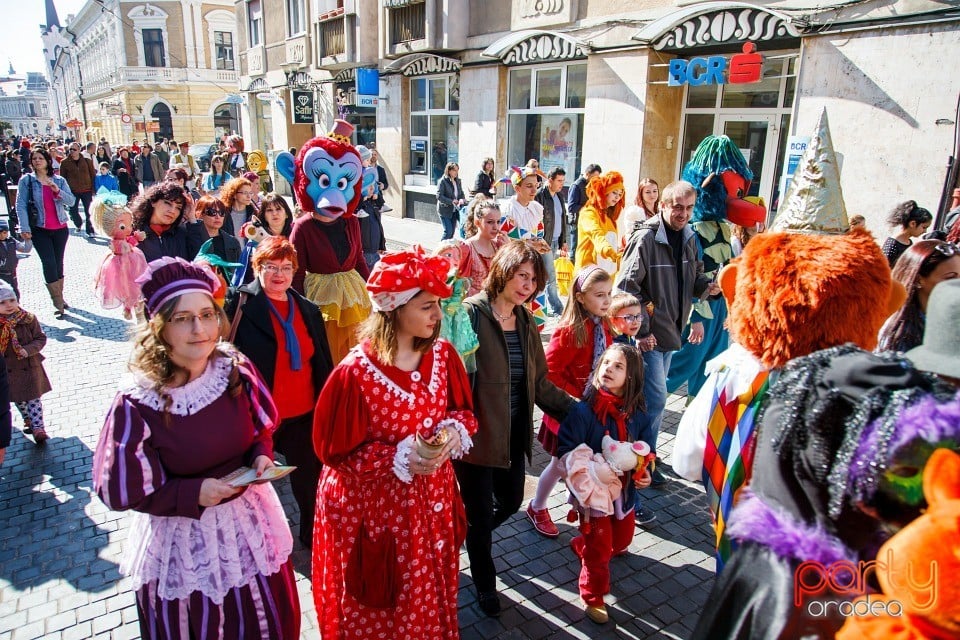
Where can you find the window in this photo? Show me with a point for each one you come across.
(408, 22)
(545, 116)
(434, 124)
(255, 22)
(223, 48)
(153, 48)
(295, 22)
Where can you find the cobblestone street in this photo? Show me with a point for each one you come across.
(60, 548)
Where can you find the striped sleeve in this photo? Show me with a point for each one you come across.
(128, 474)
(262, 408)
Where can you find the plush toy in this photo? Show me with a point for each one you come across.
(326, 176)
(115, 281)
(788, 407)
(719, 173)
(257, 163)
(253, 234)
(918, 568)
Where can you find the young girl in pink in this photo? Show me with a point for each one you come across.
(580, 338)
(612, 406)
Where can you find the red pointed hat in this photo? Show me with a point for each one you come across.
(401, 275)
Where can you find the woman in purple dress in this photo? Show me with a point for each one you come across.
(207, 560)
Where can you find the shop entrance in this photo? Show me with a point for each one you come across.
(755, 116)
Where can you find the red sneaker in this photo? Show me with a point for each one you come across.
(542, 522)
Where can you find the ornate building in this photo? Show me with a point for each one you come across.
(24, 104)
(135, 70)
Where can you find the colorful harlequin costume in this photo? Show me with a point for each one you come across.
(719, 173)
(386, 541)
(597, 240)
(326, 177)
(812, 495)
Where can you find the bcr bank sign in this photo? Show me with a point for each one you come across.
(740, 68)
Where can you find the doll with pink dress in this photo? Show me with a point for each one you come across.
(116, 278)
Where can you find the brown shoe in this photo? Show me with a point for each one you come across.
(40, 436)
(597, 614)
(542, 522)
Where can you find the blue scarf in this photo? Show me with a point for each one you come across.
(289, 335)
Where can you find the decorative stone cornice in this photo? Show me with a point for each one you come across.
(532, 46)
(712, 23)
(421, 64)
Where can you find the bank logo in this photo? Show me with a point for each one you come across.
(741, 68)
(823, 589)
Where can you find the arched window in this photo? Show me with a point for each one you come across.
(226, 120)
(161, 112)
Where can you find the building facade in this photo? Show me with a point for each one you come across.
(135, 70)
(24, 104)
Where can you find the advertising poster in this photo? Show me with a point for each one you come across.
(558, 143)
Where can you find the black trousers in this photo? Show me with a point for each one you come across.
(86, 197)
(50, 246)
(490, 496)
(294, 439)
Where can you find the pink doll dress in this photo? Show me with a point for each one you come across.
(591, 480)
(115, 281)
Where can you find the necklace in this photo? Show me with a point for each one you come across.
(501, 318)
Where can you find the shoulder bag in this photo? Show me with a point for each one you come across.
(33, 211)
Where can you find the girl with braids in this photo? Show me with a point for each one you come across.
(207, 557)
(919, 270)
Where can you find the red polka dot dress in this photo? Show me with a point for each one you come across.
(400, 579)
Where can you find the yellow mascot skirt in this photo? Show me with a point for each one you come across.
(342, 297)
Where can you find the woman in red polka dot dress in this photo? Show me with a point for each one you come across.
(390, 520)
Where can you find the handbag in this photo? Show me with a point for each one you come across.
(33, 211)
(564, 270)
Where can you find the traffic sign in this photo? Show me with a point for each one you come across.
(126, 119)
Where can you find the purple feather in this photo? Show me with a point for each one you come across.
(755, 521)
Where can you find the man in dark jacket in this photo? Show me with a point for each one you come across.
(576, 198)
(554, 232)
(660, 266)
(79, 173)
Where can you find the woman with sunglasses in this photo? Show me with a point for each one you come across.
(283, 335)
(210, 215)
(921, 267)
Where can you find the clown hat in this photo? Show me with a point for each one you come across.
(814, 202)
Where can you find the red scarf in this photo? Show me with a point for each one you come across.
(607, 406)
(160, 229)
(8, 333)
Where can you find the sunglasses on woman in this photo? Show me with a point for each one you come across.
(213, 213)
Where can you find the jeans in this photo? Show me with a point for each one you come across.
(656, 364)
(449, 226)
(553, 296)
(50, 246)
(573, 241)
(86, 197)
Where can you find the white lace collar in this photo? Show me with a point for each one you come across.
(403, 394)
(191, 397)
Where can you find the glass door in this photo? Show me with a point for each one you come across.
(757, 136)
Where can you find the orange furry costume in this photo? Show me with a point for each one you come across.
(597, 241)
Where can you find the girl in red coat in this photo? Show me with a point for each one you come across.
(581, 337)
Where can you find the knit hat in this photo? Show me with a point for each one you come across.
(4, 225)
(168, 278)
(6, 292)
(252, 177)
(401, 275)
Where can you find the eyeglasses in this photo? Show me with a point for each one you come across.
(213, 213)
(948, 249)
(273, 269)
(630, 317)
(185, 320)
(249, 194)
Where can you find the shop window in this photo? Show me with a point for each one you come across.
(703, 96)
(758, 95)
(697, 127)
(434, 124)
(545, 116)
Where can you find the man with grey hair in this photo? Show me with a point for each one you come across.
(660, 267)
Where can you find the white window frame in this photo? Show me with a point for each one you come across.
(225, 21)
(250, 30)
(292, 10)
(156, 19)
(446, 111)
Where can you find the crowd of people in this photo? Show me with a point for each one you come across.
(405, 445)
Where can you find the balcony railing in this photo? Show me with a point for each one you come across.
(408, 23)
(332, 39)
(158, 75)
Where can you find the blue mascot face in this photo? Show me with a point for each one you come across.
(332, 183)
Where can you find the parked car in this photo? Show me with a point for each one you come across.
(203, 153)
